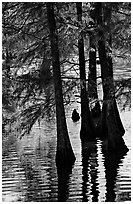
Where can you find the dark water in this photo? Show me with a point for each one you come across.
(29, 172)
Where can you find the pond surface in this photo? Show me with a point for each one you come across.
(29, 172)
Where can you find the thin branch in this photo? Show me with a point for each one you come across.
(67, 77)
(69, 62)
(122, 12)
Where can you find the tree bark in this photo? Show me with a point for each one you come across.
(92, 82)
(92, 88)
(111, 125)
(64, 154)
(87, 127)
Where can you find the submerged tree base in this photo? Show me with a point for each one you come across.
(96, 110)
(87, 135)
(64, 157)
(87, 132)
(110, 125)
(110, 128)
(116, 146)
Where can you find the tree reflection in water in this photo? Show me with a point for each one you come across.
(89, 163)
(96, 177)
(33, 189)
(63, 183)
(112, 162)
(90, 170)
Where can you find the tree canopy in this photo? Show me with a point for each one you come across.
(27, 66)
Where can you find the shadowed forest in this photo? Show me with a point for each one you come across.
(66, 74)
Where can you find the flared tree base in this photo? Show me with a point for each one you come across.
(110, 127)
(87, 134)
(65, 157)
(96, 110)
(115, 146)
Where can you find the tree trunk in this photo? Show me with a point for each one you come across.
(92, 88)
(92, 82)
(87, 127)
(111, 125)
(64, 154)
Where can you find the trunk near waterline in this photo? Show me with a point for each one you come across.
(87, 127)
(64, 154)
(110, 123)
(111, 126)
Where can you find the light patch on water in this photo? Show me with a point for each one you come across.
(30, 174)
(101, 173)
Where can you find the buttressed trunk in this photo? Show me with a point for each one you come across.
(111, 125)
(87, 127)
(64, 154)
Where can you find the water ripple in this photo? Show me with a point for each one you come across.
(29, 171)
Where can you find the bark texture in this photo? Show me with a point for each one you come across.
(64, 154)
(92, 82)
(87, 127)
(111, 126)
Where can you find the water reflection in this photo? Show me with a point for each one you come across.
(100, 169)
(30, 173)
(63, 183)
(112, 162)
(89, 162)
(32, 182)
